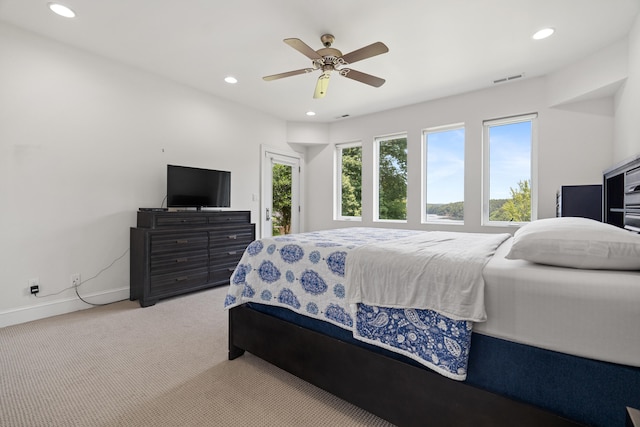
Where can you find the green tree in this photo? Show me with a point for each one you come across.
(281, 216)
(352, 181)
(454, 210)
(393, 179)
(518, 207)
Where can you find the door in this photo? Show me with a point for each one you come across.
(280, 193)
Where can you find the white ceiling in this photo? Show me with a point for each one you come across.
(436, 47)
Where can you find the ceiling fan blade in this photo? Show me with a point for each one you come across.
(303, 48)
(373, 49)
(288, 74)
(321, 85)
(362, 77)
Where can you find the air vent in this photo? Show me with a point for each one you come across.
(508, 79)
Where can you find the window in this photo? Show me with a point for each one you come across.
(348, 181)
(509, 184)
(443, 175)
(391, 176)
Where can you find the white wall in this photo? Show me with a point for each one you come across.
(84, 142)
(627, 122)
(307, 133)
(574, 148)
(603, 71)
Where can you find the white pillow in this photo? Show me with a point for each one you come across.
(577, 243)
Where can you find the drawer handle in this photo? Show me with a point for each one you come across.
(231, 269)
(182, 279)
(182, 259)
(182, 241)
(233, 253)
(233, 236)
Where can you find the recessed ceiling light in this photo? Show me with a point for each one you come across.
(543, 33)
(62, 10)
(231, 80)
(311, 113)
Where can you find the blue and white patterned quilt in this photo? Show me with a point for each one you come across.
(306, 273)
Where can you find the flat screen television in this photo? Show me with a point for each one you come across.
(189, 187)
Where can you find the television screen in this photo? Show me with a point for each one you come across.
(195, 187)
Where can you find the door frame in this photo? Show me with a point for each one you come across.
(267, 153)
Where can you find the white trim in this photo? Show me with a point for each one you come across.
(349, 144)
(443, 128)
(63, 306)
(376, 179)
(510, 119)
(285, 157)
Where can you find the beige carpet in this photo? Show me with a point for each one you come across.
(166, 365)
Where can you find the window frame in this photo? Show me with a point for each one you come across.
(425, 133)
(337, 201)
(486, 167)
(376, 177)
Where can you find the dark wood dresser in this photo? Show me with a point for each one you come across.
(173, 253)
(622, 194)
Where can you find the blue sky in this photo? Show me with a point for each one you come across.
(510, 162)
(510, 155)
(445, 166)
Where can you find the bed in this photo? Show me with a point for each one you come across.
(551, 344)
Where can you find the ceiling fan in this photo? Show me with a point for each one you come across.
(329, 59)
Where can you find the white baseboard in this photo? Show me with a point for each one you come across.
(54, 308)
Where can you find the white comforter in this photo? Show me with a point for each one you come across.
(436, 270)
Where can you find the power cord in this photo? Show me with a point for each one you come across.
(96, 275)
(85, 281)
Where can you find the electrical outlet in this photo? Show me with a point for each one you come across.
(34, 285)
(75, 280)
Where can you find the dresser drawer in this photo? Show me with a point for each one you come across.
(171, 219)
(228, 258)
(632, 220)
(242, 217)
(179, 241)
(178, 220)
(169, 283)
(172, 261)
(222, 273)
(632, 177)
(632, 189)
(235, 249)
(226, 236)
(632, 200)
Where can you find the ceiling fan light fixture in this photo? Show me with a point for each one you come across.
(543, 33)
(322, 85)
(62, 10)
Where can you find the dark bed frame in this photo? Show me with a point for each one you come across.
(399, 392)
(596, 393)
